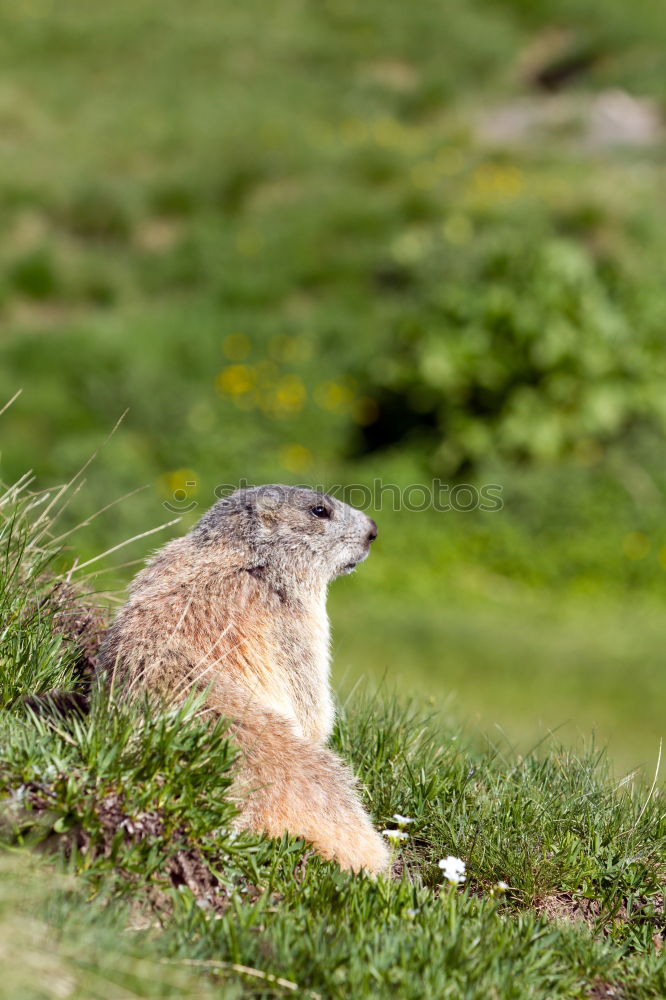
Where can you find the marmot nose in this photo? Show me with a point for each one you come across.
(372, 534)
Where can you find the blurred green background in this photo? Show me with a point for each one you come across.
(329, 242)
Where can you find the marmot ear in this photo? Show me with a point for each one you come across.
(268, 504)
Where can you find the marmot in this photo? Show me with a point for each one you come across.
(238, 607)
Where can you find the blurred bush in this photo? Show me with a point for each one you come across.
(556, 349)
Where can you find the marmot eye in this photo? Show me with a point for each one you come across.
(320, 511)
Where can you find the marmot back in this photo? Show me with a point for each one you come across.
(238, 607)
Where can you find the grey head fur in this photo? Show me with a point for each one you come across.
(292, 532)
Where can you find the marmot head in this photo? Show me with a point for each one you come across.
(294, 531)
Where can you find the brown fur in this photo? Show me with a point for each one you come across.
(238, 607)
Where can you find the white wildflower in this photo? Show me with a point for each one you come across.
(402, 820)
(411, 913)
(502, 886)
(454, 869)
(17, 797)
(395, 834)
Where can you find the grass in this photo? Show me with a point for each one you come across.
(572, 670)
(142, 888)
(553, 826)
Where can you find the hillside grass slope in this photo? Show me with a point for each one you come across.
(122, 876)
